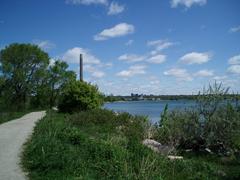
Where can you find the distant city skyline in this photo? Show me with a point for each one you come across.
(138, 46)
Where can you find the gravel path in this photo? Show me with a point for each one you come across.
(13, 135)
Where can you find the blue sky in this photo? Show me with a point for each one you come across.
(139, 46)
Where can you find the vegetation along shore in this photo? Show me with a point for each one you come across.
(81, 140)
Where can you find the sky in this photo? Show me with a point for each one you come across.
(137, 46)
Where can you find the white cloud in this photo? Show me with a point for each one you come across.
(160, 45)
(131, 58)
(187, 3)
(220, 78)
(204, 73)
(196, 58)
(132, 71)
(107, 65)
(96, 73)
(87, 2)
(129, 43)
(119, 30)
(158, 59)
(226, 81)
(72, 56)
(234, 60)
(180, 74)
(115, 8)
(234, 29)
(45, 45)
(235, 69)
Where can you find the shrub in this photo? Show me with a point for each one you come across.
(214, 123)
(62, 148)
(180, 129)
(80, 96)
(133, 127)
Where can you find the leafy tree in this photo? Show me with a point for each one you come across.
(2, 83)
(23, 67)
(57, 76)
(80, 96)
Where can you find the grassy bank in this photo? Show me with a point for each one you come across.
(7, 116)
(101, 145)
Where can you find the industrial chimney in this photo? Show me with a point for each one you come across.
(81, 68)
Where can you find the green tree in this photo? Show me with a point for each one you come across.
(80, 96)
(57, 76)
(2, 84)
(22, 67)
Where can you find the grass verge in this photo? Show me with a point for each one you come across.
(7, 116)
(101, 145)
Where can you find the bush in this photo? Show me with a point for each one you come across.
(180, 129)
(133, 127)
(64, 147)
(80, 96)
(213, 124)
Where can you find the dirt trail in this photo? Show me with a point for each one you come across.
(13, 135)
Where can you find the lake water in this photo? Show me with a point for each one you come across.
(152, 109)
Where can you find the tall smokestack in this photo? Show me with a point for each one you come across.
(81, 67)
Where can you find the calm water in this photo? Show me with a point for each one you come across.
(152, 109)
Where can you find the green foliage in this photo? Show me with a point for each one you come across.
(222, 130)
(112, 98)
(7, 116)
(164, 116)
(213, 124)
(210, 99)
(180, 128)
(28, 81)
(80, 96)
(57, 76)
(97, 144)
(22, 68)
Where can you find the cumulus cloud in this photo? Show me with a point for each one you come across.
(235, 69)
(196, 58)
(96, 73)
(204, 73)
(226, 81)
(234, 60)
(132, 71)
(157, 59)
(131, 58)
(72, 56)
(119, 30)
(87, 2)
(234, 29)
(180, 74)
(159, 45)
(187, 3)
(45, 45)
(115, 8)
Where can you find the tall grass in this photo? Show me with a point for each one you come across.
(101, 145)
